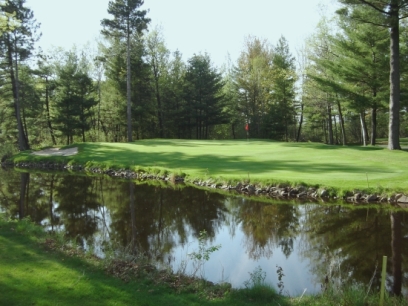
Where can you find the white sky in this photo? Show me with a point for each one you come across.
(217, 27)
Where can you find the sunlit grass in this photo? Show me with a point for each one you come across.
(342, 168)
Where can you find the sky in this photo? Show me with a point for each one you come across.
(218, 27)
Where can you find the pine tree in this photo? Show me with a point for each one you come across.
(75, 97)
(283, 89)
(392, 11)
(127, 20)
(204, 107)
(16, 46)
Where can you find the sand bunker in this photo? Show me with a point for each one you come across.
(57, 152)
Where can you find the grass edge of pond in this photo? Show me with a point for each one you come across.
(332, 193)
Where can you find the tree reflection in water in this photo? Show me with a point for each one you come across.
(268, 226)
(339, 243)
(24, 185)
(396, 246)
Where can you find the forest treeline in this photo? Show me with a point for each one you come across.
(346, 85)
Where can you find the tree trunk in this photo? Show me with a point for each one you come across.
(300, 123)
(363, 128)
(394, 122)
(158, 99)
(47, 106)
(373, 137)
(330, 124)
(325, 130)
(128, 88)
(22, 137)
(335, 129)
(343, 129)
(233, 130)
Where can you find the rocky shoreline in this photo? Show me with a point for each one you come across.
(277, 192)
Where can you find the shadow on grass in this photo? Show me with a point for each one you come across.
(212, 164)
(331, 147)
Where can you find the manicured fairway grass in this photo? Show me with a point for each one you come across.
(343, 168)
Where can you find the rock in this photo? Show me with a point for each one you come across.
(398, 196)
(371, 198)
(324, 193)
(293, 192)
(302, 195)
(251, 189)
(402, 199)
(357, 196)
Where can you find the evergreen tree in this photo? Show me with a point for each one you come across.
(158, 57)
(46, 74)
(392, 12)
(173, 103)
(127, 20)
(282, 111)
(320, 98)
(204, 100)
(363, 65)
(16, 46)
(75, 97)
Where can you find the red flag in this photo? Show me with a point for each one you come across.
(246, 127)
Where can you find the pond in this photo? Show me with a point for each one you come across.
(297, 247)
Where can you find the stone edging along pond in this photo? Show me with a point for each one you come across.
(280, 191)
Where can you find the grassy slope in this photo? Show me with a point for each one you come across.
(263, 161)
(33, 275)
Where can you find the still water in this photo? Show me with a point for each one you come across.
(311, 244)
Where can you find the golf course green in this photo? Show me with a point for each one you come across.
(342, 168)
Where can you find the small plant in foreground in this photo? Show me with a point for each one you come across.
(203, 253)
(279, 271)
(256, 278)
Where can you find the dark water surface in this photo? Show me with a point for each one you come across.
(311, 244)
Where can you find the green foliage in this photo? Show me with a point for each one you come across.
(203, 253)
(127, 18)
(265, 88)
(253, 82)
(256, 278)
(204, 102)
(16, 46)
(75, 96)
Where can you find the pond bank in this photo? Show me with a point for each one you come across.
(59, 273)
(280, 191)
